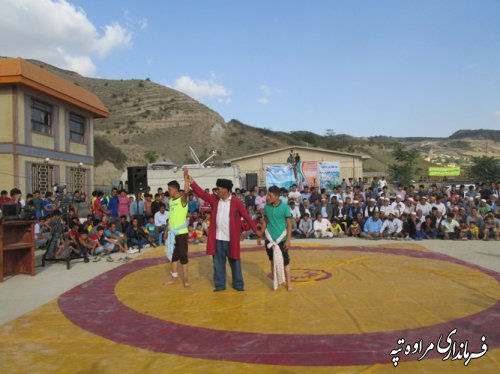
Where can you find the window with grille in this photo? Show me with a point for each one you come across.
(42, 177)
(76, 128)
(76, 179)
(41, 117)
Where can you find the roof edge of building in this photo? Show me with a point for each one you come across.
(363, 157)
(22, 72)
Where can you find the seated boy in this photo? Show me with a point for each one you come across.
(474, 230)
(355, 229)
(464, 233)
(192, 235)
(336, 229)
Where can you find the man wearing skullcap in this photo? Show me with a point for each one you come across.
(224, 232)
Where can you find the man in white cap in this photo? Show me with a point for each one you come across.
(392, 227)
(424, 206)
(397, 206)
(355, 209)
(340, 213)
(370, 208)
(409, 207)
(494, 205)
(483, 208)
(385, 208)
(397, 200)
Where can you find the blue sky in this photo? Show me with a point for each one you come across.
(400, 68)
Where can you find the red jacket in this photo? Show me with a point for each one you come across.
(236, 211)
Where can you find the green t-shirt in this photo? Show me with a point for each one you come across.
(276, 217)
(178, 214)
(38, 204)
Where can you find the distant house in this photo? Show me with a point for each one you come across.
(253, 166)
(46, 124)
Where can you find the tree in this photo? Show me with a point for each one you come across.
(402, 154)
(403, 171)
(485, 169)
(150, 156)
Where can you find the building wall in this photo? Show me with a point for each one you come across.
(6, 114)
(350, 166)
(6, 172)
(61, 173)
(34, 148)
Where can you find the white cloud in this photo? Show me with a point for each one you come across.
(267, 92)
(201, 89)
(57, 32)
(114, 36)
(497, 114)
(82, 65)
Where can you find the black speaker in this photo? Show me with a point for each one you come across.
(251, 180)
(137, 179)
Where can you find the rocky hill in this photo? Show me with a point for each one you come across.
(146, 116)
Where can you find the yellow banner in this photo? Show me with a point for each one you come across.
(444, 172)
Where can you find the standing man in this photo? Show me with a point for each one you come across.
(294, 194)
(112, 208)
(277, 226)
(176, 234)
(224, 231)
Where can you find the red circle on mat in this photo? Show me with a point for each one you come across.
(93, 306)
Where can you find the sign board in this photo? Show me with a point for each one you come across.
(444, 172)
(280, 175)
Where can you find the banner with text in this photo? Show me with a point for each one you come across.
(444, 172)
(279, 175)
(310, 173)
(329, 175)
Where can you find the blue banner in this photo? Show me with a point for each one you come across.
(281, 176)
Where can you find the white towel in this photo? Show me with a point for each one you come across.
(170, 242)
(278, 263)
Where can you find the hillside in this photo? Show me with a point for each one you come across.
(146, 116)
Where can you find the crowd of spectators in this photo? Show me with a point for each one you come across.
(119, 222)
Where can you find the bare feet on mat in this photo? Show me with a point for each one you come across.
(187, 284)
(171, 281)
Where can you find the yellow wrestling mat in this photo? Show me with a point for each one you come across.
(353, 309)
